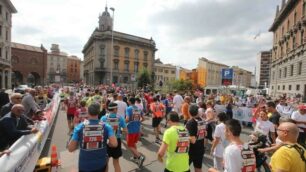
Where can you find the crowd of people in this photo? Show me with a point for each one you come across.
(100, 118)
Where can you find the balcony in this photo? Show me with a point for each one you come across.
(5, 62)
(100, 69)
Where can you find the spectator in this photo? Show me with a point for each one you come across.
(266, 127)
(237, 155)
(12, 126)
(273, 114)
(292, 156)
(15, 99)
(31, 108)
(4, 97)
(121, 105)
(185, 108)
(219, 143)
(300, 118)
(177, 102)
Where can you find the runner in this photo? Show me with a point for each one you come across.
(71, 103)
(175, 144)
(91, 136)
(118, 123)
(237, 156)
(81, 114)
(185, 108)
(158, 111)
(134, 117)
(197, 131)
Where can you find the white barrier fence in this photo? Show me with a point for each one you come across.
(26, 151)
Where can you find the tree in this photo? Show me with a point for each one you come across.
(182, 85)
(144, 78)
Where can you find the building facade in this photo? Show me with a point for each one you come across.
(82, 71)
(29, 64)
(288, 66)
(6, 11)
(57, 65)
(165, 73)
(184, 74)
(209, 73)
(263, 69)
(73, 69)
(117, 61)
(242, 77)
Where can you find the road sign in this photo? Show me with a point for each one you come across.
(227, 73)
(227, 76)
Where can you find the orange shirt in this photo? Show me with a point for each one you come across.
(185, 111)
(157, 109)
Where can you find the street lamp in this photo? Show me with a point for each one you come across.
(112, 47)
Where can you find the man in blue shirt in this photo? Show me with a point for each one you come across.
(134, 117)
(118, 123)
(92, 135)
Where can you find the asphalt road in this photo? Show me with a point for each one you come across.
(59, 137)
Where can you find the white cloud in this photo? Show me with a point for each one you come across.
(184, 30)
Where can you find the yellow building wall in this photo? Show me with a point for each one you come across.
(202, 80)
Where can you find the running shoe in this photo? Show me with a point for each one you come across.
(141, 160)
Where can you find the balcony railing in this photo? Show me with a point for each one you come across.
(5, 61)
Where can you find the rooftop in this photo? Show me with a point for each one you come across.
(26, 47)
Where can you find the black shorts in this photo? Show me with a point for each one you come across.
(99, 170)
(156, 121)
(70, 117)
(196, 160)
(115, 152)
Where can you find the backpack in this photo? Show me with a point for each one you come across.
(300, 150)
(182, 145)
(249, 159)
(201, 127)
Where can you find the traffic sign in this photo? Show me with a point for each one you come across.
(227, 73)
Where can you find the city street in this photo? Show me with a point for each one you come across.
(147, 146)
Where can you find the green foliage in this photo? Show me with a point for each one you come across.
(144, 78)
(181, 85)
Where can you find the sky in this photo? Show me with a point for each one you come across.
(184, 30)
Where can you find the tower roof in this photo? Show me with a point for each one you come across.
(106, 13)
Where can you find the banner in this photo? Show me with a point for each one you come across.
(242, 114)
(26, 151)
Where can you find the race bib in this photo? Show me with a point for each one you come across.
(93, 137)
(182, 145)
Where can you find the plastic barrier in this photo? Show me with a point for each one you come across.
(25, 151)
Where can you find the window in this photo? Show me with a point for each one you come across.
(289, 88)
(278, 87)
(136, 54)
(294, 19)
(145, 56)
(115, 79)
(0, 52)
(273, 75)
(116, 64)
(127, 52)
(285, 72)
(145, 65)
(0, 30)
(304, 8)
(172, 72)
(6, 53)
(299, 72)
(280, 73)
(125, 79)
(126, 65)
(0, 9)
(6, 35)
(297, 87)
(160, 70)
(293, 42)
(136, 66)
(284, 87)
(7, 16)
(291, 70)
(166, 71)
(302, 37)
(272, 87)
(288, 25)
(116, 51)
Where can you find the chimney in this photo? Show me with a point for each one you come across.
(283, 3)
